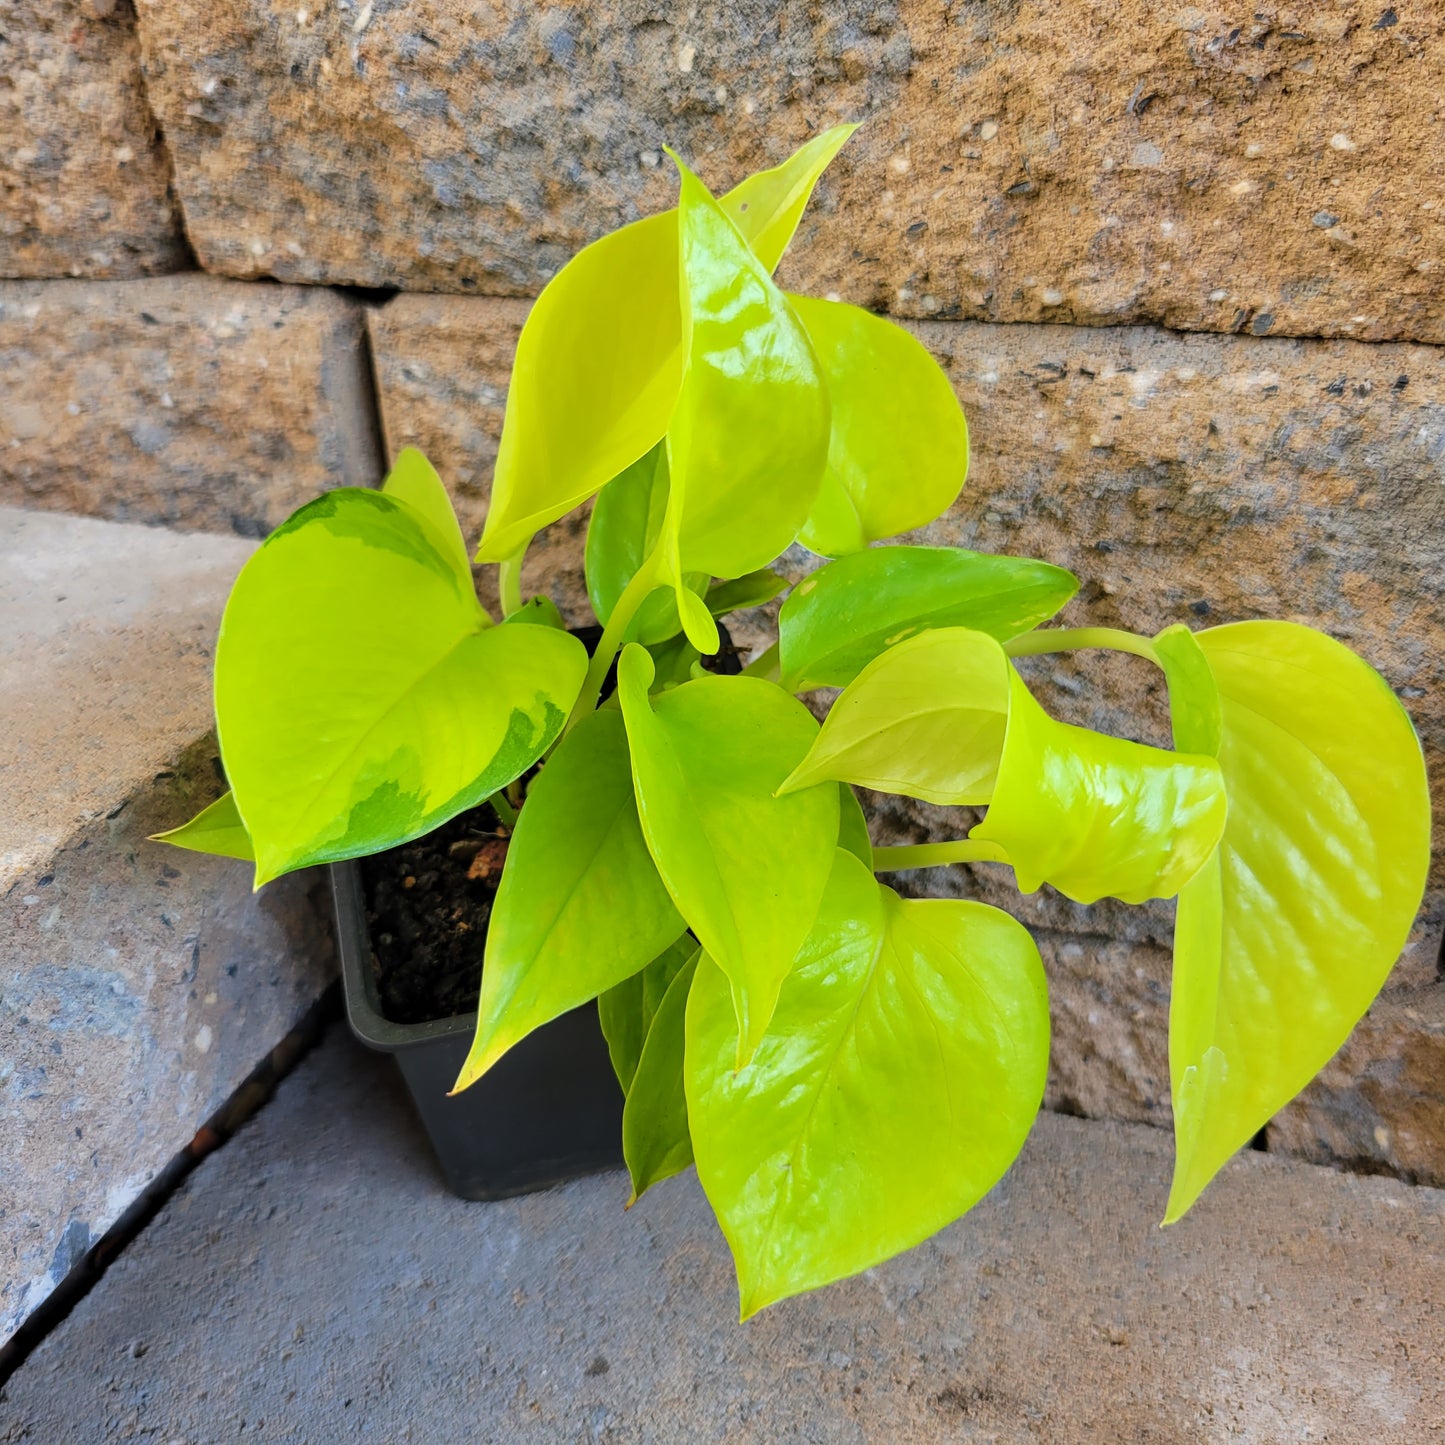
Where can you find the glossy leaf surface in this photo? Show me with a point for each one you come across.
(599, 360)
(362, 698)
(627, 1008)
(1099, 816)
(839, 619)
(903, 1069)
(217, 829)
(749, 437)
(580, 906)
(746, 869)
(898, 449)
(926, 719)
(655, 1139)
(1284, 940)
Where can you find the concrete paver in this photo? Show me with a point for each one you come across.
(314, 1282)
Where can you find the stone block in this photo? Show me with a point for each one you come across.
(1270, 173)
(139, 985)
(185, 400)
(84, 178)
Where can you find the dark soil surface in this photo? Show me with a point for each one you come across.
(427, 907)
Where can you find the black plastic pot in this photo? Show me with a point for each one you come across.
(550, 1110)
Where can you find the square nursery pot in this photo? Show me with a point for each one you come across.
(550, 1110)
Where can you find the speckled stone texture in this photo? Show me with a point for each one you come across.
(84, 179)
(1271, 171)
(189, 401)
(1197, 479)
(314, 1282)
(139, 985)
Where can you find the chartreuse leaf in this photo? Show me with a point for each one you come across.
(1098, 816)
(1285, 938)
(537, 611)
(413, 480)
(926, 719)
(853, 827)
(900, 1076)
(748, 440)
(361, 696)
(627, 1008)
(217, 829)
(1194, 706)
(655, 1139)
(580, 905)
(593, 383)
(600, 358)
(625, 525)
(746, 869)
(898, 451)
(840, 618)
(767, 206)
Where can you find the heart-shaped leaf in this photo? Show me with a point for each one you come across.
(926, 719)
(655, 1139)
(600, 359)
(362, 698)
(748, 439)
(217, 829)
(1286, 937)
(898, 450)
(580, 905)
(745, 868)
(840, 618)
(900, 1076)
(628, 1008)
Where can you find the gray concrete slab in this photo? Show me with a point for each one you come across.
(313, 1282)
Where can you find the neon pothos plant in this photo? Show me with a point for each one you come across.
(849, 1070)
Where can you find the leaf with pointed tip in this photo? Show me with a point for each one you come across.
(902, 1072)
(414, 480)
(745, 868)
(898, 450)
(217, 829)
(1290, 932)
(655, 1139)
(840, 618)
(1194, 707)
(748, 439)
(767, 206)
(580, 906)
(628, 1008)
(536, 612)
(925, 719)
(362, 698)
(600, 358)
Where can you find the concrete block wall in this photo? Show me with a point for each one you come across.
(1184, 265)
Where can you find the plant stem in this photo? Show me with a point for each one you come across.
(613, 635)
(509, 583)
(503, 809)
(1067, 639)
(936, 855)
(765, 664)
